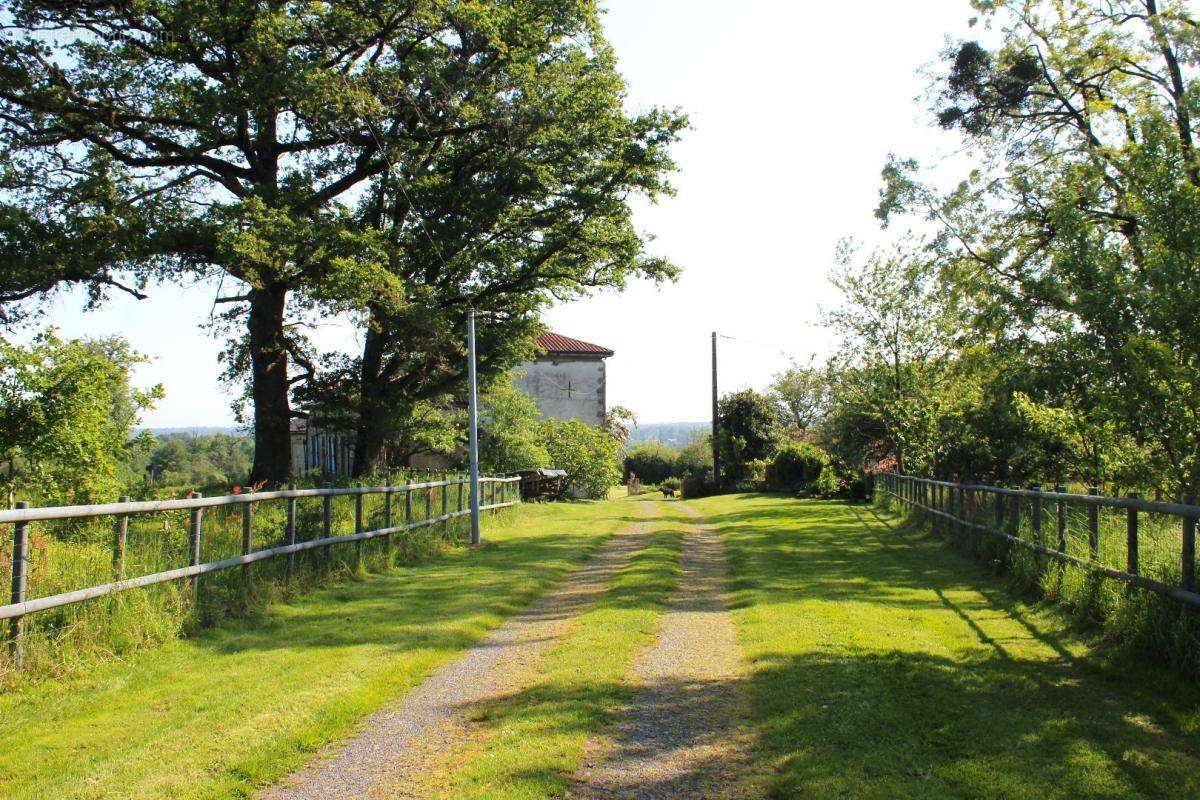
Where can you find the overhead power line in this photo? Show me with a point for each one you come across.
(778, 348)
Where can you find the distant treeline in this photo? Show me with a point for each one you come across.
(675, 434)
(654, 462)
(196, 430)
(196, 460)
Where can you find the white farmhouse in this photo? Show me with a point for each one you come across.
(567, 379)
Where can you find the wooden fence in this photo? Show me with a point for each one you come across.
(495, 493)
(1145, 543)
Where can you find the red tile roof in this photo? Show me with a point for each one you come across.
(557, 344)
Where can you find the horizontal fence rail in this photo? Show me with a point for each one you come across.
(495, 493)
(1145, 543)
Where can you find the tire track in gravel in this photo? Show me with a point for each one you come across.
(397, 748)
(683, 735)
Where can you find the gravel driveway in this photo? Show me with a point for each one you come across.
(400, 746)
(682, 736)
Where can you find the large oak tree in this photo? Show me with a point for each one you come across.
(248, 139)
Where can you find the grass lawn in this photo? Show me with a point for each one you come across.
(532, 743)
(243, 704)
(886, 665)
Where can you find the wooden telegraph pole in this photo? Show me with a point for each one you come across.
(716, 458)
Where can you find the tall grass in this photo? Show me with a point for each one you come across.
(1134, 621)
(66, 555)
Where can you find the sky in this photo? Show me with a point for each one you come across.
(794, 107)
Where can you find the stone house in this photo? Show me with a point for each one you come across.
(566, 380)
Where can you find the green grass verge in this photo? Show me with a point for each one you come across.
(886, 665)
(74, 554)
(244, 703)
(1138, 624)
(531, 744)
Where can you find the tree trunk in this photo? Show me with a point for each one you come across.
(269, 387)
(372, 411)
(368, 443)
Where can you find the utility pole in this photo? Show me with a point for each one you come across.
(473, 424)
(716, 459)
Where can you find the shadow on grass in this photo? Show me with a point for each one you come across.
(899, 723)
(532, 736)
(879, 725)
(302, 673)
(411, 607)
(887, 665)
(574, 711)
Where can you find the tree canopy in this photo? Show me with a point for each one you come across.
(749, 428)
(398, 162)
(1047, 330)
(67, 414)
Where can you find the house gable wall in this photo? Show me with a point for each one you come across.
(566, 387)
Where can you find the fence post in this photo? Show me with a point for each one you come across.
(1037, 513)
(1062, 519)
(194, 533)
(1131, 537)
(428, 502)
(959, 494)
(950, 499)
(407, 508)
(970, 505)
(966, 497)
(358, 528)
(1093, 526)
(327, 526)
(1015, 521)
(387, 523)
(1188, 567)
(247, 544)
(120, 540)
(461, 489)
(20, 587)
(998, 510)
(935, 519)
(963, 513)
(291, 533)
(445, 502)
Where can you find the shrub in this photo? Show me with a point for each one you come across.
(798, 466)
(754, 475)
(695, 457)
(590, 457)
(651, 461)
(830, 483)
(67, 413)
(510, 435)
(696, 486)
(750, 429)
(674, 484)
